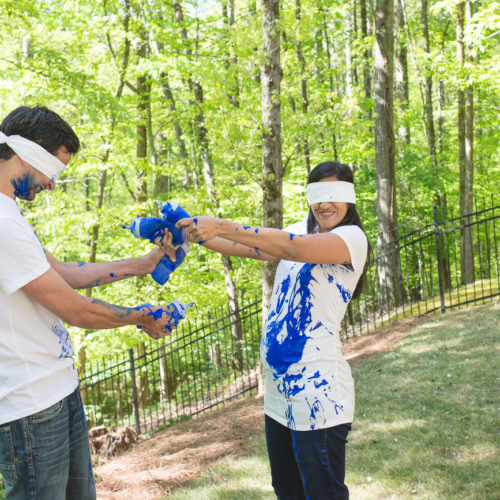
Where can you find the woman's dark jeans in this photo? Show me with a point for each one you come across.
(307, 464)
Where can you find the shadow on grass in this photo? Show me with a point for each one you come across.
(426, 423)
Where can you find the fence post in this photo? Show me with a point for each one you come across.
(134, 392)
(439, 262)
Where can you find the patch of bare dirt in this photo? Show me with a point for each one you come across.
(156, 465)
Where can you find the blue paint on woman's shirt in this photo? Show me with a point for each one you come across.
(344, 292)
(285, 336)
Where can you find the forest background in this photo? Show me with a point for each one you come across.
(226, 105)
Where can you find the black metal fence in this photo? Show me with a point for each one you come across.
(204, 364)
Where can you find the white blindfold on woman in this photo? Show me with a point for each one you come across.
(336, 191)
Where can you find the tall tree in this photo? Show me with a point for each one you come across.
(202, 140)
(464, 155)
(272, 164)
(387, 220)
(402, 85)
(428, 102)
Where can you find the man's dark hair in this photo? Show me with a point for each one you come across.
(40, 125)
(343, 173)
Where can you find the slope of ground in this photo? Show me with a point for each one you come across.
(168, 459)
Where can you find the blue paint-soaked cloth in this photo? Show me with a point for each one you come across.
(171, 213)
(152, 228)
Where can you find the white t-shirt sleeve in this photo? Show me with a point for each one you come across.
(22, 258)
(356, 242)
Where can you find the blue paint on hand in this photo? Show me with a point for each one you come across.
(246, 227)
(195, 220)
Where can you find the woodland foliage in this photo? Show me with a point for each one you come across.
(126, 75)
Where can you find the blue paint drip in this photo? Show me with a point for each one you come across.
(64, 340)
(195, 220)
(289, 417)
(316, 375)
(282, 353)
(319, 384)
(23, 185)
(257, 251)
(346, 294)
(256, 230)
(316, 410)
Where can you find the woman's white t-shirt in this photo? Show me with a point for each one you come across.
(36, 363)
(308, 383)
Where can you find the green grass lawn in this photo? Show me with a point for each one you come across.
(426, 427)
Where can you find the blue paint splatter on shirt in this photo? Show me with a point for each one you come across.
(346, 294)
(285, 338)
(64, 340)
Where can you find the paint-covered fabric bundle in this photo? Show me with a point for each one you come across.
(308, 382)
(151, 228)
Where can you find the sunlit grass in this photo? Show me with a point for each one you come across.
(426, 425)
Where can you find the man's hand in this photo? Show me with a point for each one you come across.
(157, 321)
(165, 246)
(200, 228)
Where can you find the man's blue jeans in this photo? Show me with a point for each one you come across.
(46, 456)
(307, 464)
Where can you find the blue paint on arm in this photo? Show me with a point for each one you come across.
(257, 251)
(80, 264)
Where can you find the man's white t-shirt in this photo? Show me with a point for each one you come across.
(308, 383)
(36, 363)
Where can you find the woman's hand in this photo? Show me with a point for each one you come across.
(165, 247)
(200, 228)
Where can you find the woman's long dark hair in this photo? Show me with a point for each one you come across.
(343, 173)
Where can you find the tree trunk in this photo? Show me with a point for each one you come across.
(367, 84)
(465, 115)
(401, 74)
(389, 264)
(429, 113)
(272, 164)
(201, 136)
(304, 143)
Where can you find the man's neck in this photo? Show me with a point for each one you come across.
(9, 169)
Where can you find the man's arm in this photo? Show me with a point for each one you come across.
(55, 294)
(88, 275)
